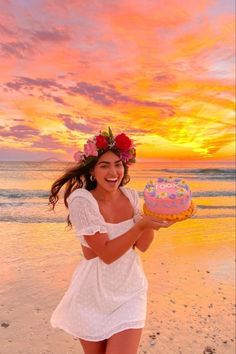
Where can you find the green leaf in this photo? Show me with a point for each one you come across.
(110, 133)
(105, 134)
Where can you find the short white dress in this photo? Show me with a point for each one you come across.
(102, 299)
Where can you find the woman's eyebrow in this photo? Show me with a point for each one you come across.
(107, 162)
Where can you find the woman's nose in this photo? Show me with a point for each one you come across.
(112, 171)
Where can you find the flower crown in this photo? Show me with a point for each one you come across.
(103, 142)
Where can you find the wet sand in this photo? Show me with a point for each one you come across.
(190, 269)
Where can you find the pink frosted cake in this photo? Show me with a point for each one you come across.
(168, 198)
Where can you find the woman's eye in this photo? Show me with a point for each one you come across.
(119, 165)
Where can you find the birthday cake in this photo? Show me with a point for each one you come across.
(168, 199)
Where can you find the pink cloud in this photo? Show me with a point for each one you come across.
(102, 94)
(73, 125)
(47, 142)
(19, 132)
(52, 35)
(6, 31)
(16, 49)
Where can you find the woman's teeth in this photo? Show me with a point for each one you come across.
(111, 180)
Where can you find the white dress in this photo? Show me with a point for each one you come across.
(102, 299)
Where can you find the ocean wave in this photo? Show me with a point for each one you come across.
(31, 219)
(186, 177)
(20, 204)
(21, 219)
(213, 194)
(206, 194)
(19, 193)
(29, 204)
(12, 204)
(215, 206)
(29, 194)
(195, 173)
(203, 170)
(49, 165)
(210, 178)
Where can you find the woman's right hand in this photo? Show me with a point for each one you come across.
(147, 222)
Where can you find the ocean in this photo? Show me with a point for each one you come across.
(25, 188)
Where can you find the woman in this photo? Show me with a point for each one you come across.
(105, 304)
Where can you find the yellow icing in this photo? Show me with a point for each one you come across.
(181, 216)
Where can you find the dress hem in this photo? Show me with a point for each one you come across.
(127, 325)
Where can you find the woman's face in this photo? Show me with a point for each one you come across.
(108, 171)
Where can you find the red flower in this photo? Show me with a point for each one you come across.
(123, 142)
(101, 142)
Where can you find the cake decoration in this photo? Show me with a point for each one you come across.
(168, 198)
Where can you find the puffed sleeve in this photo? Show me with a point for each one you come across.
(135, 201)
(137, 207)
(84, 215)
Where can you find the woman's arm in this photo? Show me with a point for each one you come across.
(111, 250)
(145, 240)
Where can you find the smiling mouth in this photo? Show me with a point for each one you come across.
(111, 180)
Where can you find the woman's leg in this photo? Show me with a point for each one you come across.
(93, 347)
(125, 342)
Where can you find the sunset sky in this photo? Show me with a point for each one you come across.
(160, 70)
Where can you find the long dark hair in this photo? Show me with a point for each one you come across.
(78, 177)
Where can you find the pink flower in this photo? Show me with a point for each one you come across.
(90, 149)
(78, 156)
(125, 155)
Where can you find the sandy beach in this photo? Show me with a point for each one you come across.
(190, 269)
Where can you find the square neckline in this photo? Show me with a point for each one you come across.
(112, 223)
